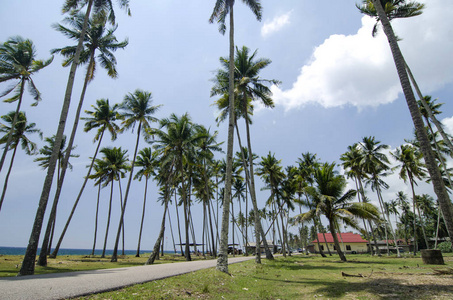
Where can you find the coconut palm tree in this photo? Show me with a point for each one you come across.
(411, 168)
(18, 135)
(98, 39)
(176, 145)
(221, 10)
(375, 8)
(109, 169)
(335, 205)
(18, 62)
(137, 110)
(146, 161)
(102, 117)
(28, 264)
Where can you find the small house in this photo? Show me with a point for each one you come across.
(349, 242)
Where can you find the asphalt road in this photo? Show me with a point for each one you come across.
(75, 284)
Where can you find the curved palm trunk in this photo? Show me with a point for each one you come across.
(335, 240)
(155, 252)
(28, 264)
(362, 192)
(68, 221)
(96, 220)
(425, 146)
(385, 211)
(108, 221)
(123, 209)
(5, 185)
(186, 215)
(13, 125)
(222, 261)
(143, 218)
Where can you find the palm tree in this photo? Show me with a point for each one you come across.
(334, 205)
(46, 151)
(411, 168)
(18, 62)
(176, 145)
(28, 264)
(146, 161)
(16, 136)
(375, 8)
(97, 40)
(111, 167)
(221, 9)
(137, 109)
(248, 87)
(102, 117)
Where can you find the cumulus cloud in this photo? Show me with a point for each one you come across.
(275, 25)
(359, 70)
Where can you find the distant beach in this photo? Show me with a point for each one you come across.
(21, 251)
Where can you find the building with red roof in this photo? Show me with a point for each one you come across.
(349, 242)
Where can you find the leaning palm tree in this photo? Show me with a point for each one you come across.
(18, 62)
(18, 135)
(137, 110)
(147, 162)
(336, 206)
(28, 264)
(102, 118)
(221, 10)
(100, 40)
(375, 8)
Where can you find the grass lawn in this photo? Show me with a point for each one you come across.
(304, 277)
(10, 264)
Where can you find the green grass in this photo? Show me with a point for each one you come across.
(303, 277)
(10, 264)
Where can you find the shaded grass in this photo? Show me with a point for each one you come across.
(303, 277)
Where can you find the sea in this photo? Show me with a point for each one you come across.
(62, 251)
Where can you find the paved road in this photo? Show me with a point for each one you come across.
(74, 284)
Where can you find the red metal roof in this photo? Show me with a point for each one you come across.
(347, 237)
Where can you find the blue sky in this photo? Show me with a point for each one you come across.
(338, 85)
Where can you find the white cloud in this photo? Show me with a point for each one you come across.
(359, 70)
(275, 25)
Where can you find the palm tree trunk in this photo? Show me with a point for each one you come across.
(171, 230)
(335, 240)
(5, 185)
(425, 146)
(13, 126)
(68, 221)
(123, 209)
(155, 252)
(108, 220)
(28, 264)
(143, 218)
(96, 220)
(222, 261)
(213, 250)
(179, 226)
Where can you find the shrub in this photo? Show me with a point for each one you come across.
(445, 247)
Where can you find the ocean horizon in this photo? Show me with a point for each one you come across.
(68, 251)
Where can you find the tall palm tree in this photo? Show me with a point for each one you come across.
(137, 110)
(411, 168)
(111, 167)
(375, 8)
(102, 117)
(334, 205)
(98, 39)
(146, 162)
(176, 145)
(219, 14)
(28, 264)
(249, 86)
(18, 135)
(18, 62)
